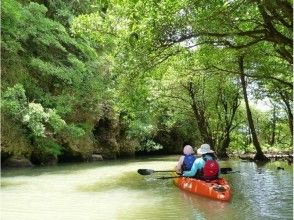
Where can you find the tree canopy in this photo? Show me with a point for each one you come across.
(121, 77)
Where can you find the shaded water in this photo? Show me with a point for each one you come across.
(114, 190)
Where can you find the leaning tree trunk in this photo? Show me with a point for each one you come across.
(289, 112)
(200, 118)
(273, 127)
(259, 154)
(222, 152)
(229, 115)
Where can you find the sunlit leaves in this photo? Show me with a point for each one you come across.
(31, 114)
(138, 58)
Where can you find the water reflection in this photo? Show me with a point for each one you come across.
(199, 206)
(263, 192)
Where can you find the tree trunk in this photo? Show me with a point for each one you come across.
(273, 12)
(200, 118)
(289, 112)
(222, 152)
(229, 112)
(273, 133)
(259, 154)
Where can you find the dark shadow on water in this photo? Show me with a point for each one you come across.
(61, 168)
(7, 183)
(67, 168)
(160, 158)
(128, 180)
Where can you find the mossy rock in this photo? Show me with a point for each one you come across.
(17, 163)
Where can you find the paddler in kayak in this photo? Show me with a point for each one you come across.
(205, 167)
(186, 160)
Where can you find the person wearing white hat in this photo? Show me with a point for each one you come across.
(204, 149)
(205, 167)
(186, 160)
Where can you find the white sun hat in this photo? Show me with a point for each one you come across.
(204, 149)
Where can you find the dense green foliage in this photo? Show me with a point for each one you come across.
(117, 77)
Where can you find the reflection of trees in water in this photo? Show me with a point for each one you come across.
(203, 208)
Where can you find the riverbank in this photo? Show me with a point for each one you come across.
(272, 156)
(22, 162)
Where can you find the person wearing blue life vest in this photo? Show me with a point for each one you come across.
(186, 160)
(205, 167)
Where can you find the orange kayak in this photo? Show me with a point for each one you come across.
(217, 189)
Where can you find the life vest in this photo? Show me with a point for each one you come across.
(188, 162)
(210, 170)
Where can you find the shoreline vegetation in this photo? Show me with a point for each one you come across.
(102, 80)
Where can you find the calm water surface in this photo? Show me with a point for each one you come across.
(114, 190)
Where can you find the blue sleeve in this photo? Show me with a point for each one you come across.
(197, 165)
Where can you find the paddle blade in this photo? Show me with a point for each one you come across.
(145, 171)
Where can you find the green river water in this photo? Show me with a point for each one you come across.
(114, 190)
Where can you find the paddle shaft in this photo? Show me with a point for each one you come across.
(149, 171)
(158, 171)
(224, 171)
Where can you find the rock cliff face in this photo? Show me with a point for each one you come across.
(17, 163)
(172, 140)
(105, 133)
(110, 135)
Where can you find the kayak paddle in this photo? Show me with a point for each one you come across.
(225, 170)
(168, 177)
(149, 171)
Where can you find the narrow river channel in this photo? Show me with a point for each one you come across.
(114, 190)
